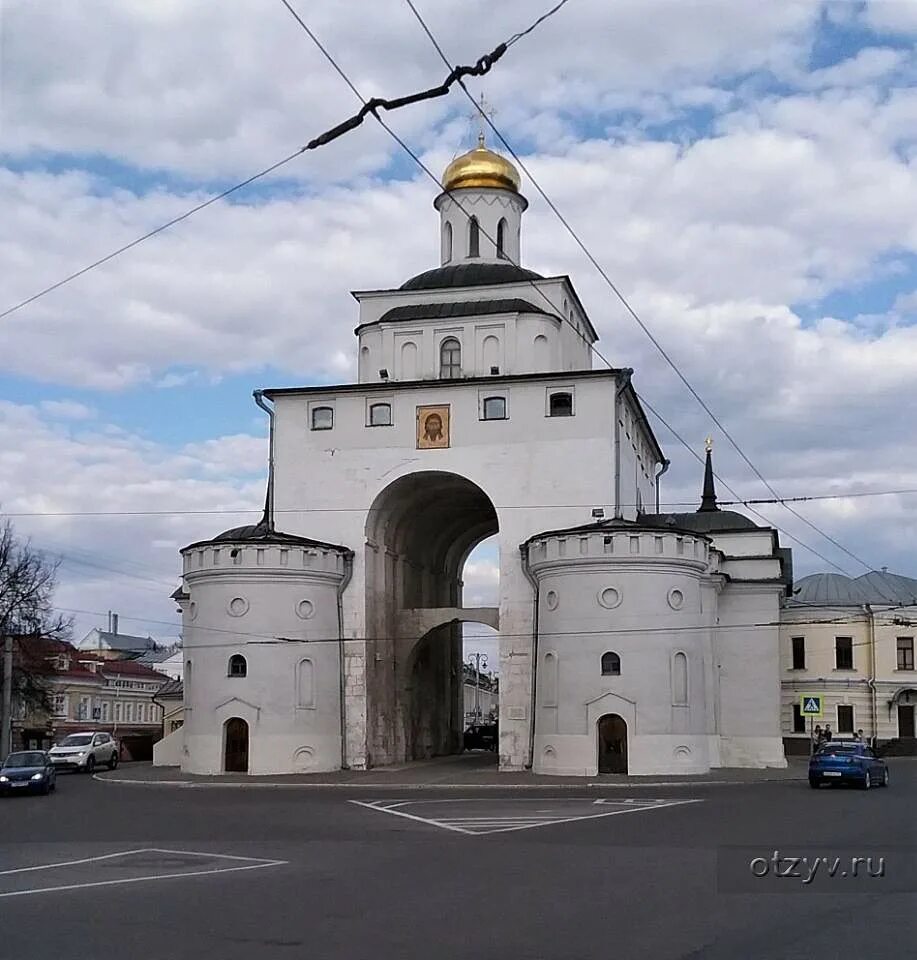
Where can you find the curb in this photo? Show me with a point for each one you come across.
(376, 785)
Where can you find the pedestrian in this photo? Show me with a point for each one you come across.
(816, 737)
(859, 737)
(826, 733)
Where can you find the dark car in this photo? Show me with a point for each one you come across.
(847, 761)
(481, 736)
(29, 771)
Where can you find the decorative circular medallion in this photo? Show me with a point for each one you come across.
(682, 753)
(303, 759)
(610, 598)
(551, 599)
(238, 607)
(305, 609)
(676, 599)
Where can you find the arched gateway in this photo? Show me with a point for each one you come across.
(419, 532)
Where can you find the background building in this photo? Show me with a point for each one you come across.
(853, 641)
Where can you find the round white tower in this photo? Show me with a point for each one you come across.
(626, 623)
(481, 208)
(262, 648)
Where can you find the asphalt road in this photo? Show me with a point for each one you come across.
(143, 873)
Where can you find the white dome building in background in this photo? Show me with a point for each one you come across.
(629, 640)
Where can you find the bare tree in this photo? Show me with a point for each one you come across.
(27, 582)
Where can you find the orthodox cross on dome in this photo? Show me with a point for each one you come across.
(479, 116)
(708, 444)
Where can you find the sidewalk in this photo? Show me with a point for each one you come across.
(471, 770)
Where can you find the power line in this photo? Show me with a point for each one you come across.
(630, 309)
(265, 639)
(456, 74)
(507, 506)
(534, 286)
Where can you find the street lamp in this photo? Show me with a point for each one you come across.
(477, 660)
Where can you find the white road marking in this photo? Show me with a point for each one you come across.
(251, 863)
(511, 821)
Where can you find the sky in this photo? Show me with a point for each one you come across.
(744, 172)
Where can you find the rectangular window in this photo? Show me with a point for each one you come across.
(118, 711)
(322, 418)
(843, 653)
(560, 404)
(799, 653)
(60, 705)
(380, 415)
(905, 653)
(494, 408)
(799, 721)
(844, 718)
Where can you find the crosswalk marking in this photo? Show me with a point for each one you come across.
(504, 815)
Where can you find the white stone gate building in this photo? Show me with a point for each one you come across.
(629, 640)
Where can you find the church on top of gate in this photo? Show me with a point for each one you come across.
(329, 634)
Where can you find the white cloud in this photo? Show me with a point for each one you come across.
(68, 409)
(714, 237)
(107, 561)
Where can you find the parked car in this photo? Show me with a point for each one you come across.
(85, 751)
(28, 771)
(481, 736)
(847, 761)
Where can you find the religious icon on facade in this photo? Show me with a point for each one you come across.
(432, 428)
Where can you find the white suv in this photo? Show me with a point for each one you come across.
(85, 751)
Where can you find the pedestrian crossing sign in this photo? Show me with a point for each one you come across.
(810, 704)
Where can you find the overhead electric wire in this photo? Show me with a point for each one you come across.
(535, 287)
(268, 639)
(229, 511)
(782, 500)
(372, 106)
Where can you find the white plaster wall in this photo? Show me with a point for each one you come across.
(748, 652)
(570, 348)
(285, 734)
(539, 472)
(644, 630)
(168, 752)
(489, 206)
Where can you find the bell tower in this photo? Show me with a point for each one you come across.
(480, 209)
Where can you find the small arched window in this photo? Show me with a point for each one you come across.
(560, 405)
(450, 359)
(238, 666)
(680, 679)
(611, 664)
(380, 415)
(447, 242)
(322, 418)
(501, 238)
(474, 238)
(495, 408)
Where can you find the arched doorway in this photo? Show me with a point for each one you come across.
(612, 743)
(419, 533)
(235, 746)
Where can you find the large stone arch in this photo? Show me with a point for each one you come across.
(419, 532)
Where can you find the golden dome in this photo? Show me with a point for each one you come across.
(481, 167)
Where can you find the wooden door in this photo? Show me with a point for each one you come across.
(905, 721)
(612, 736)
(236, 752)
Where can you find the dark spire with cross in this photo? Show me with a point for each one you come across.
(708, 501)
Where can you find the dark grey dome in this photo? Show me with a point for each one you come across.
(264, 532)
(474, 273)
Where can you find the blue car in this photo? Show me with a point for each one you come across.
(29, 771)
(847, 761)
